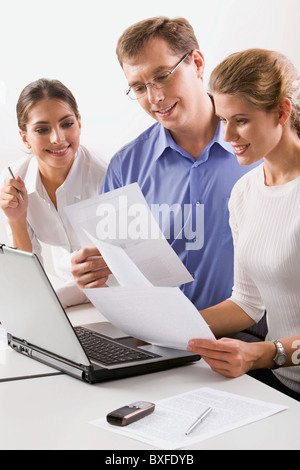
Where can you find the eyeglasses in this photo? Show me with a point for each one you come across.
(159, 81)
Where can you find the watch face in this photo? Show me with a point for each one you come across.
(281, 360)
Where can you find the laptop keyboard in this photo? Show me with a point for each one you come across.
(106, 351)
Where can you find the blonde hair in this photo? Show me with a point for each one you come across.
(177, 32)
(262, 77)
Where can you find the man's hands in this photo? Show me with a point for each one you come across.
(89, 268)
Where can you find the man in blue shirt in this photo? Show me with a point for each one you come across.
(182, 164)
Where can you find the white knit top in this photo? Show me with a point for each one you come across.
(265, 223)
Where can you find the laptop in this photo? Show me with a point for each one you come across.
(38, 327)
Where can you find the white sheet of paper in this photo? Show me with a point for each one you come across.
(122, 217)
(124, 269)
(162, 316)
(165, 427)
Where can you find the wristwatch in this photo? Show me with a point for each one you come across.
(281, 357)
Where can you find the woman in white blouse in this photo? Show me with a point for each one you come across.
(257, 96)
(58, 172)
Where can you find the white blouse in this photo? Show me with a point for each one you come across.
(52, 227)
(265, 223)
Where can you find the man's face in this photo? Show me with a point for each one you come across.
(176, 105)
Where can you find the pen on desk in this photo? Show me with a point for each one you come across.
(199, 420)
(13, 176)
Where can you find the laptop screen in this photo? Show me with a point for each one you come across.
(30, 309)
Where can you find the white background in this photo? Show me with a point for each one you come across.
(75, 40)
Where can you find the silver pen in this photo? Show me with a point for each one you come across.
(199, 420)
(13, 177)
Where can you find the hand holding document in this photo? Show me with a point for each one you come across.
(159, 315)
(146, 303)
(120, 264)
(122, 218)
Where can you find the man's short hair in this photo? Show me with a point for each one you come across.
(177, 32)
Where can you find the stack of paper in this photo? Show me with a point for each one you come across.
(145, 301)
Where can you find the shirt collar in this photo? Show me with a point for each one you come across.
(162, 141)
(165, 140)
(32, 179)
(72, 184)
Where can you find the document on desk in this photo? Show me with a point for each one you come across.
(123, 218)
(165, 428)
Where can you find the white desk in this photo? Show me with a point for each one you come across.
(53, 412)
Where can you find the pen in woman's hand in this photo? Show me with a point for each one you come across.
(13, 176)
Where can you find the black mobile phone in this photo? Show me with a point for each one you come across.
(130, 413)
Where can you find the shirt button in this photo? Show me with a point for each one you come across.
(198, 203)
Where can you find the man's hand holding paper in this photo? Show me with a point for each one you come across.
(146, 302)
(89, 268)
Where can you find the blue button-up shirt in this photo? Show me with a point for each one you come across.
(189, 199)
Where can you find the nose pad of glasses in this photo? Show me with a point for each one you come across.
(154, 92)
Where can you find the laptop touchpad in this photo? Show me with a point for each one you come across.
(106, 329)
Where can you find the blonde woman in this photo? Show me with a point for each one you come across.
(257, 97)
